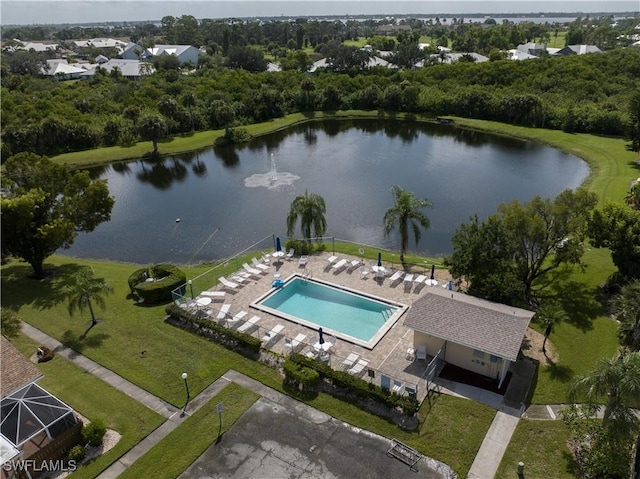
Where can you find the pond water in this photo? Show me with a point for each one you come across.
(227, 199)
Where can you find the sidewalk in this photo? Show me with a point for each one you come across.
(142, 396)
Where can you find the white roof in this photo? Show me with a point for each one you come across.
(520, 55)
(273, 67)
(59, 66)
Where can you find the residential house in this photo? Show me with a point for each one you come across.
(130, 69)
(531, 48)
(35, 424)
(578, 50)
(474, 334)
(185, 53)
(60, 69)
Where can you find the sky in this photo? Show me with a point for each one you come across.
(26, 12)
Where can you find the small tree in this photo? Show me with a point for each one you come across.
(154, 128)
(82, 289)
(310, 208)
(9, 323)
(406, 215)
(549, 315)
(625, 307)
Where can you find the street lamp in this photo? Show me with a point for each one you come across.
(190, 283)
(186, 385)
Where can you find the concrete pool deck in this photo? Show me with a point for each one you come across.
(390, 355)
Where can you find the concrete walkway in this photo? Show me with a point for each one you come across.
(484, 466)
(142, 396)
(494, 444)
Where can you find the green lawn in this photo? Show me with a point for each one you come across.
(447, 434)
(542, 447)
(180, 448)
(94, 399)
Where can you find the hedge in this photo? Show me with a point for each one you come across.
(168, 277)
(231, 339)
(342, 380)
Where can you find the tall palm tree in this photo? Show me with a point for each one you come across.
(615, 380)
(405, 213)
(311, 209)
(626, 309)
(82, 289)
(549, 315)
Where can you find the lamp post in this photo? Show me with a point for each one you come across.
(186, 385)
(190, 283)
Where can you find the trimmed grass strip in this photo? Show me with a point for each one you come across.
(180, 448)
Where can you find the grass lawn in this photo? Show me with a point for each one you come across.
(452, 430)
(180, 448)
(94, 399)
(542, 446)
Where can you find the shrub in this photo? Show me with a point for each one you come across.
(93, 432)
(303, 247)
(76, 453)
(233, 136)
(167, 278)
(229, 338)
(302, 375)
(9, 323)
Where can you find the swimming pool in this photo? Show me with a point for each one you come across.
(348, 314)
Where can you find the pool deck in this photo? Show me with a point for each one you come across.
(390, 355)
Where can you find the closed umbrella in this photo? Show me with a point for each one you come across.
(379, 259)
(321, 337)
(433, 271)
(278, 245)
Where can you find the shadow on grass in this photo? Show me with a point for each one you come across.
(19, 288)
(86, 340)
(560, 373)
(534, 384)
(582, 303)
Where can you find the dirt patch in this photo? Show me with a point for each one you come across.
(532, 348)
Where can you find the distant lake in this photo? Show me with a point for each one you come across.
(351, 164)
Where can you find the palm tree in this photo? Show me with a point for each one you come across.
(617, 380)
(633, 197)
(550, 315)
(82, 289)
(189, 100)
(626, 309)
(311, 209)
(153, 127)
(405, 212)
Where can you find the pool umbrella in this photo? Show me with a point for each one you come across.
(433, 271)
(278, 245)
(379, 259)
(321, 339)
(450, 285)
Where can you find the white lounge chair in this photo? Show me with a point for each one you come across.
(237, 318)
(419, 279)
(304, 259)
(357, 368)
(295, 343)
(250, 270)
(247, 325)
(227, 283)
(397, 276)
(364, 274)
(339, 264)
(223, 312)
(354, 264)
(259, 265)
(350, 361)
(290, 253)
(408, 278)
(214, 294)
(275, 331)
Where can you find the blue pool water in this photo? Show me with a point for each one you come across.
(336, 310)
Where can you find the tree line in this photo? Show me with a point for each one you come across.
(587, 94)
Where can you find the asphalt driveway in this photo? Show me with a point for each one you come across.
(288, 439)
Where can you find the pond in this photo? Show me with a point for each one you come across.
(227, 199)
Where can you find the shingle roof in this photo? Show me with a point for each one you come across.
(493, 328)
(16, 371)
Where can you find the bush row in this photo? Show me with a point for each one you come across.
(306, 372)
(243, 343)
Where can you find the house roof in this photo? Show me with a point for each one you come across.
(493, 328)
(16, 371)
(176, 50)
(60, 66)
(128, 68)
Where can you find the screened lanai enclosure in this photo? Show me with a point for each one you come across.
(31, 419)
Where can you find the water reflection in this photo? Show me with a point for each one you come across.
(351, 164)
